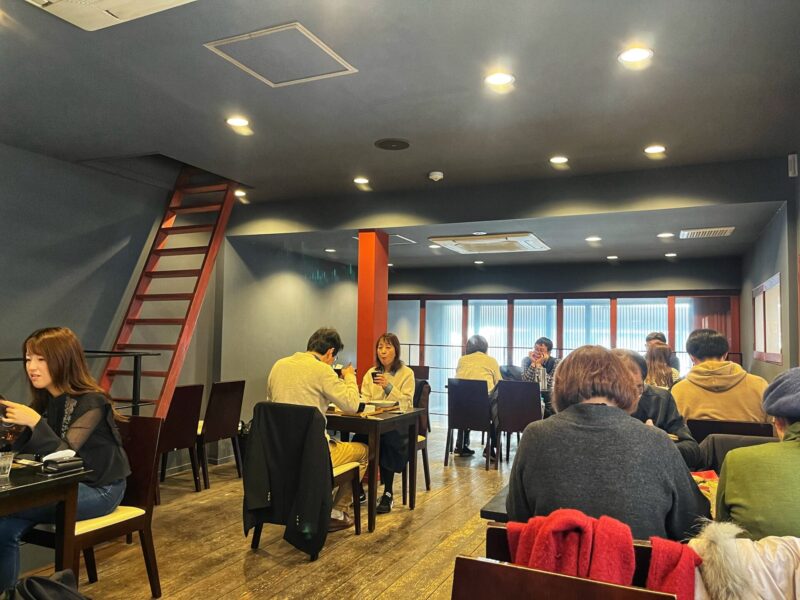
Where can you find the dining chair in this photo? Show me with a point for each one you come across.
(422, 392)
(134, 514)
(180, 430)
(467, 408)
(220, 422)
(420, 371)
(518, 404)
(702, 428)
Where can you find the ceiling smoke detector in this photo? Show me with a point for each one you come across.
(492, 243)
(435, 175)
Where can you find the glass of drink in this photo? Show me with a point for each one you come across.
(6, 458)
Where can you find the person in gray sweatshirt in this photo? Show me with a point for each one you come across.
(592, 456)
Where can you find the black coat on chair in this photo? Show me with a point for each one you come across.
(287, 474)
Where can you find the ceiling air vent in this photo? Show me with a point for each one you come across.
(92, 15)
(706, 232)
(493, 243)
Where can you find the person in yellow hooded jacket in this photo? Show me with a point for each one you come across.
(717, 388)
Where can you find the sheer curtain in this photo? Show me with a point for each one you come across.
(532, 319)
(442, 347)
(587, 321)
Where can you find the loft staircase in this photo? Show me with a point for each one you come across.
(164, 309)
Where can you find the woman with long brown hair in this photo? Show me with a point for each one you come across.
(69, 411)
(659, 372)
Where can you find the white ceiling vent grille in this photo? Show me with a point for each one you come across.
(92, 15)
(706, 232)
(282, 55)
(494, 243)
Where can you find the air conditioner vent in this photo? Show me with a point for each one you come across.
(97, 14)
(706, 232)
(494, 243)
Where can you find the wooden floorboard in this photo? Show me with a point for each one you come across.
(202, 551)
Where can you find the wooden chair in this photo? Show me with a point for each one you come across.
(422, 392)
(420, 371)
(486, 578)
(135, 513)
(702, 428)
(180, 430)
(497, 549)
(221, 422)
(467, 408)
(518, 404)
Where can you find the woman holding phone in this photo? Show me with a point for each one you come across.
(389, 380)
(69, 411)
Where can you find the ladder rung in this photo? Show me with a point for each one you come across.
(204, 189)
(163, 297)
(130, 401)
(197, 208)
(187, 229)
(112, 372)
(146, 346)
(181, 251)
(154, 321)
(173, 273)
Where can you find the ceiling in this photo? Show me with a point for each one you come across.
(629, 235)
(724, 85)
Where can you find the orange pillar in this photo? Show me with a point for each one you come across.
(373, 295)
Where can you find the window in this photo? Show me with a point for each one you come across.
(532, 319)
(404, 322)
(767, 320)
(636, 317)
(586, 322)
(442, 347)
(489, 318)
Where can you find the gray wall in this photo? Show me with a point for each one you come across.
(770, 255)
(643, 276)
(273, 302)
(72, 237)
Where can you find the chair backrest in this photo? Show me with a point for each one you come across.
(702, 428)
(497, 549)
(223, 411)
(422, 393)
(511, 372)
(518, 404)
(485, 578)
(140, 440)
(420, 371)
(180, 427)
(467, 404)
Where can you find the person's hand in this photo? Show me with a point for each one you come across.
(381, 380)
(348, 371)
(19, 414)
(536, 358)
(532, 354)
(650, 422)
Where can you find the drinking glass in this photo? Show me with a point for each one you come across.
(6, 458)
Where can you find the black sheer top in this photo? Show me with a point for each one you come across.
(86, 425)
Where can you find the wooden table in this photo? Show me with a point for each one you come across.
(373, 426)
(28, 489)
(495, 509)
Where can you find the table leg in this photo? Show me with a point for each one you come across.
(65, 529)
(372, 471)
(412, 465)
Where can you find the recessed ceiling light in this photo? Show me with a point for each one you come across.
(237, 122)
(612, 257)
(361, 180)
(478, 262)
(559, 160)
(331, 250)
(594, 238)
(670, 255)
(655, 149)
(240, 193)
(390, 264)
(478, 233)
(499, 78)
(636, 58)
(434, 246)
(244, 200)
(666, 234)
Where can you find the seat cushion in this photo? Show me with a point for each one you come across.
(122, 513)
(344, 468)
(420, 439)
(200, 427)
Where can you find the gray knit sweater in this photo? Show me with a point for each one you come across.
(599, 460)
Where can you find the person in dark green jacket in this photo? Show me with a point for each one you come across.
(759, 485)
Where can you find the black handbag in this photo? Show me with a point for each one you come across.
(62, 465)
(61, 586)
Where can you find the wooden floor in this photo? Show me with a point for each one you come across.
(202, 552)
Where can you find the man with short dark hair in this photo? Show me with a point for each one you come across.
(717, 388)
(307, 378)
(540, 368)
(657, 336)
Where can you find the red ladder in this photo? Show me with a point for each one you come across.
(188, 202)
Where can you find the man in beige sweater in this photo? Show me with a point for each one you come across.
(716, 388)
(307, 378)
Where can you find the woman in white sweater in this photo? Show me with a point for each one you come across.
(389, 380)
